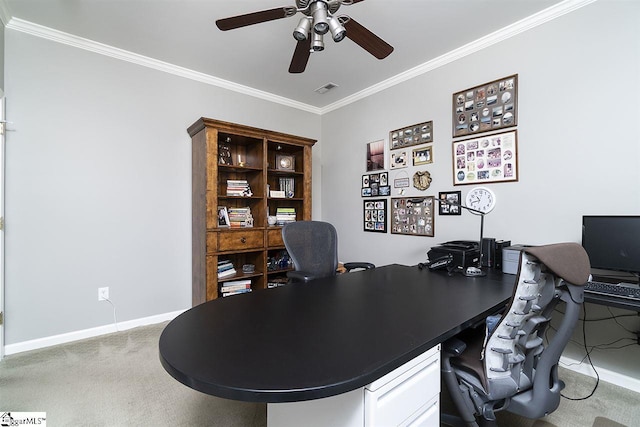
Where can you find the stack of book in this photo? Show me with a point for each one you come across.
(235, 287)
(238, 187)
(225, 269)
(276, 282)
(285, 215)
(288, 186)
(240, 217)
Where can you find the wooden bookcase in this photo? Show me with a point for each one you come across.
(253, 154)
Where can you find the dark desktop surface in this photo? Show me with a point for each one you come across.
(323, 338)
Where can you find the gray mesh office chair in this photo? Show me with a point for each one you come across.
(313, 247)
(512, 367)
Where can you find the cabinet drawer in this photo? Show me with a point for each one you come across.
(240, 240)
(399, 396)
(274, 238)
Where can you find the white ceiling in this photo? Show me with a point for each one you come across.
(183, 33)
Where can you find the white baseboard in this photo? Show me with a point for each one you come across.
(607, 375)
(88, 333)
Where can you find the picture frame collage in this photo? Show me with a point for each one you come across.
(452, 197)
(400, 139)
(488, 110)
(375, 215)
(376, 184)
(488, 107)
(413, 216)
(490, 158)
(408, 146)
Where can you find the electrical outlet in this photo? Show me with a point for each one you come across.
(103, 293)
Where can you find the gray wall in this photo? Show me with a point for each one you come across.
(98, 184)
(578, 79)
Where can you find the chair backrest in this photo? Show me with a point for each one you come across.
(312, 246)
(518, 363)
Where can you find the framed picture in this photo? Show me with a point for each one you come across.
(375, 184)
(450, 196)
(375, 155)
(490, 106)
(491, 158)
(223, 217)
(411, 135)
(224, 153)
(375, 215)
(412, 216)
(399, 160)
(422, 156)
(401, 179)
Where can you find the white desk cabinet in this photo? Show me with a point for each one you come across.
(407, 396)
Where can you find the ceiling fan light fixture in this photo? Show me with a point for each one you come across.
(317, 43)
(337, 30)
(302, 30)
(320, 17)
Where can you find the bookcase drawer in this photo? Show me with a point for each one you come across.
(274, 238)
(238, 240)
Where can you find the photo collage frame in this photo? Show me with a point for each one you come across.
(376, 184)
(452, 197)
(488, 107)
(413, 216)
(375, 215)
(484, 159)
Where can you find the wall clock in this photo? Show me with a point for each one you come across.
(285, 162)
(481, 199)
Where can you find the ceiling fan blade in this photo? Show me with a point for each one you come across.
(300, 56)
(367, 40)
(254, 18)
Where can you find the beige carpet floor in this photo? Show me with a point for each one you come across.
(117, 380)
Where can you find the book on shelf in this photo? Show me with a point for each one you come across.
(236, 292)
(240, 217)
(285, 215)
(235, 285)
(276, 282)
(238, 187)
(287, 185)
(226, 269)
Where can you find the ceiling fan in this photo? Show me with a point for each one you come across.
(320, 18)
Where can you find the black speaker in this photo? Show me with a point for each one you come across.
(500, 244)
(488, 252)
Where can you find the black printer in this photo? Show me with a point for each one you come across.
(464, 253)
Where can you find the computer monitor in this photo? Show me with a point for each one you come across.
(612, 242)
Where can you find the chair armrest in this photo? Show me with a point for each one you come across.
(353, 265)
(300, 276)
(454, 347)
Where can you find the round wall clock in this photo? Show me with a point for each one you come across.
(481, 199)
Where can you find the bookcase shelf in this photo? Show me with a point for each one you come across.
(222, 153)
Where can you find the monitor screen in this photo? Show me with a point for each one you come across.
(612, 242)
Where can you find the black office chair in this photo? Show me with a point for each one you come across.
(511, 366)
(313, 247)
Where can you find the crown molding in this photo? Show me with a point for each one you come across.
(145, 61)
(507, 32)
(502, 34)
